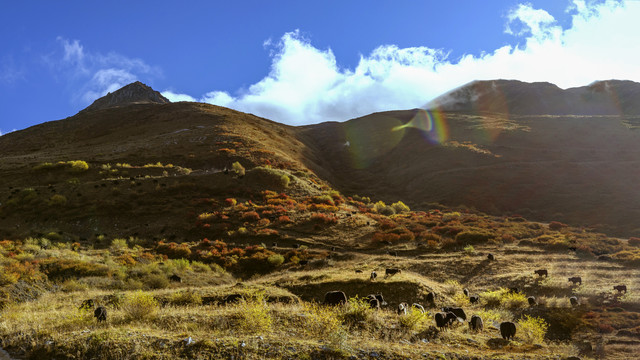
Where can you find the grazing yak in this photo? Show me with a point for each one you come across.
(532, 301)
(391, 271)
(620, 288)
(379, 297)
(475, 324)
(373, 276)
(507, 330)
(465, 291)
(402, 308)
(358, 271)
(574, 301)
(541, 272)
(100, 313)
(444, 319)
(458, 311)
(490, 257)
(576, 280)
(335, 298)
(373, 302)
(86, 304)
(418, 307)
(474, 299)
(431, 298)
(175, 278)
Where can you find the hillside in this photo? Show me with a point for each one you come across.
(167, 213)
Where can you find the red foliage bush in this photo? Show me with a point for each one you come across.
(320, 218)
(556, 225)
(250, 216)
(284, 219)
(173, 250)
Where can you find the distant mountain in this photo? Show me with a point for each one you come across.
(611, 97)
(134, 93)
(502, 147)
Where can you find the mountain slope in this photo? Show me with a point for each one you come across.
(612, 97)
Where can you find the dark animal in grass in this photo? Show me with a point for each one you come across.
(576, 280)
(507, 330)
(335, 298)
(574, 301)
(465, 291)
(541, 272)
(431, 298)
(373, 276)
(474, 299)
(444, 319)
(491, 257)
(86, 304)
(392, 271)
(379, 297)
(620, 288)
(458, 311)
(358, 271)
(402, 308)
(418, 307)
(100, 313)
(476, 324)
(175, 278)
(303, 262)
(373, 303)
(532, 301)
(232, 298)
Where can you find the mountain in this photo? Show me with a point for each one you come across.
(580, 169)
(612, 97)
(134, 93)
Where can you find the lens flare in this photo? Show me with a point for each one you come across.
(370, 140)
(431, 123)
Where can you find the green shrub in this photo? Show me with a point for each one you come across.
(238, 168)
(119, 244)
(78, 165)
(57, 269)
(57, 200)
(185, 297)
(532, 330)
(275, 260)
(156, 281)
(254, 315)
(469, 250)
(474, 237)
(356, 311)
(415, 320)
(400, 207)
(504, 298)
(140, 305)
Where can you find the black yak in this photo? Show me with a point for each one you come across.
(335, 298)
(576, 280)
(620, 288)
(392, 271)
(100, 313)
(508, 330)
(541, 272)
(475, 324)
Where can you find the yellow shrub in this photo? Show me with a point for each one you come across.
(254, 316)
(323, 322)
(532, 329)
(415, 320)
(140, 305)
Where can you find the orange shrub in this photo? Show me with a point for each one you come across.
(250, 216)
(320, 218)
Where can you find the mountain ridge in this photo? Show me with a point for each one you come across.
(133, 93)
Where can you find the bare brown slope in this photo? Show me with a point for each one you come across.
(577, 169)
(193, 142)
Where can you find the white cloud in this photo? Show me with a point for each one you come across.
(306, 84)
(175, 97)
(95, 74)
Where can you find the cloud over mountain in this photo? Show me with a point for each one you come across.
(307, 85)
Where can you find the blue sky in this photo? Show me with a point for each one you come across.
(301, 62)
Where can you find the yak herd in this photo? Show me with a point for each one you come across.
(444, 319)
(450, 315)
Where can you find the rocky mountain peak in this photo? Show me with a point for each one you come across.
(134, 93)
